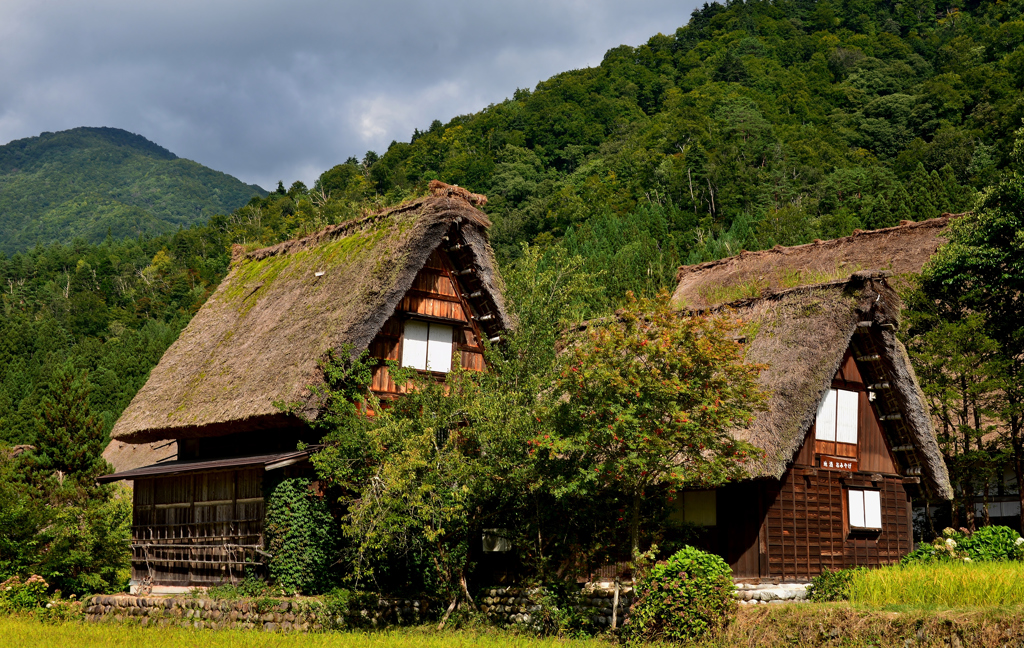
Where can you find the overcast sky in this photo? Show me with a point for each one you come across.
(284, 90)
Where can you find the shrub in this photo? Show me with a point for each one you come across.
(17, 596)
(684, 598)
(833, 585)
(345, 610)
(61, 611)
(555, 611)
(993, 543)
(990, 543)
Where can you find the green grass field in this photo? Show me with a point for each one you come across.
(943, 586)
(23, 632)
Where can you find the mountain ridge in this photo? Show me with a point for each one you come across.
(94, 182)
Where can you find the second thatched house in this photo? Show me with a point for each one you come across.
(847, 431)
(416, 284)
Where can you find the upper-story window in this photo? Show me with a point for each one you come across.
(837, 417)
(427, 346)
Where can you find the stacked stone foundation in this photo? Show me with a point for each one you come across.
(249, 614)
(512, 605)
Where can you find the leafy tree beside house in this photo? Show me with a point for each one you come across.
(981, 270)
(647, 400)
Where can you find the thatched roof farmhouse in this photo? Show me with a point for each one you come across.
(416, 283)
(847, 430)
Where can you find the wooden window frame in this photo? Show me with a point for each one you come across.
(853, 529)
(452, 346)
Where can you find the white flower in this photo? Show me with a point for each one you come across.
(49, 605)
(967, 559)
(1018, 541)
(950, 542)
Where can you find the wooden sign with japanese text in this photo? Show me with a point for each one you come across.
(846, 464)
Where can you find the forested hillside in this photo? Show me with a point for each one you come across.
(756, 124)
(95, 182)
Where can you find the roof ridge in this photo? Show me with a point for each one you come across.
(938, 221)
(438, 191)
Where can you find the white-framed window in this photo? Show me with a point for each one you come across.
(865, 509)
(837, 416)
(427, 346)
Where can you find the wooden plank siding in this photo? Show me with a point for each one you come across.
(197, 529)
(806, 527)
(795, 527)
(435, 295)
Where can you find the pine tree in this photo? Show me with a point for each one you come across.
(922, 205)
(69, 439)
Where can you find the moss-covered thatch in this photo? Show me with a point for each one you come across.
(280, 310)
(801, 334)
(900, 250)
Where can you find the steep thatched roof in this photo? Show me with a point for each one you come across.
(900, 250)
(260, 336)
(801, 334)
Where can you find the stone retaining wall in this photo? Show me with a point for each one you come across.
(754, 594)
(503, 605)
(511, 605)
(264, 614)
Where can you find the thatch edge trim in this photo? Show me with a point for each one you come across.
(900, 371)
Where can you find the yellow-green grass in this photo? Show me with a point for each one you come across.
(25, 632)
(941, 585)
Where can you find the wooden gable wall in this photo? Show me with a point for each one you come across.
(436, 295)
(794, 528)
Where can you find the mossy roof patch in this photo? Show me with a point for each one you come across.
(901, 250)
(260, 336)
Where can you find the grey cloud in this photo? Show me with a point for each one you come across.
(283, 90)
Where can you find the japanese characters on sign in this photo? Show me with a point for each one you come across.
(847, 464)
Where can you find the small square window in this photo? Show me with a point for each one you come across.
(427, 346)
(865, 509)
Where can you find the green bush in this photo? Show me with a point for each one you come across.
(833, 585)
(251, 586)
(345, 610)
(556, 611)
(16, 595)
(61, 611)
(689, 596)
(992, 543)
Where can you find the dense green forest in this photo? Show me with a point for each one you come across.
(98, 182)
(756, 124)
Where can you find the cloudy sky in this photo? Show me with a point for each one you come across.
(283, 90)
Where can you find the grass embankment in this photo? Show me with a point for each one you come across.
(834, 625)
(26, 632)
(820, 625)
(941, 586)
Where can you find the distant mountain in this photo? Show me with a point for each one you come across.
(91, 182)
